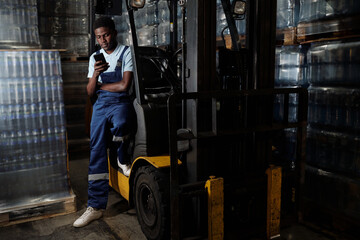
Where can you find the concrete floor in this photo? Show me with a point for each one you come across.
(119, 222)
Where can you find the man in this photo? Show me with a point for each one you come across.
(113, 115)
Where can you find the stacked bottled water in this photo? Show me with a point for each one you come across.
(290, 66)
(152, 24)
(290, 71)
(319, 9)
(146, 24)
(123, 27)
(335, 64)
(164, 23)
(221, 22)
(32, 121)
(64, 24)
(287, 13)
(18, 24)
(334, 106)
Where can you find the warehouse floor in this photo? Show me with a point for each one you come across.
(119, 222)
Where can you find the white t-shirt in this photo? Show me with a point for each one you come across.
(112, 60)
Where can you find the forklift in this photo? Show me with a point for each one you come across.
(202, 151)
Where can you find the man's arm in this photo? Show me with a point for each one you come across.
(120, 86)
(99, 67)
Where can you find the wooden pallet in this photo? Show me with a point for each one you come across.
(286, 36)
(38, 211)
(228, 43)
(328, 29)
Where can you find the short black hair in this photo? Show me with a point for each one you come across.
(104, 22)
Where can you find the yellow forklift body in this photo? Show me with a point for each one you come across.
(215, 192)
(274, 174)
(120, 183)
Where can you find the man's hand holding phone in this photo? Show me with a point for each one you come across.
(100, 63)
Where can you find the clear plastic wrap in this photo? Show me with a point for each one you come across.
(334, 63)
(123, 27)
(74, 44)
(146, 36)
(337, 108)
(18, 24)
(332, 192)
(284, 142)
(334, 151)
(163, 11)
(290, 66)
(279, 108)
(32, 127)
(287, 13)
(152, 24)
(146, 16)
(64, 25)
(221, 22)
(63, 7)
(164, 33)
(320, 9)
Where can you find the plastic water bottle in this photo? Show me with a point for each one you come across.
(53, 70)
(20, 90)
(4, 85)
(34, 118)
(47, 88)
(27, 117)
(41, 89)
(22, 151)
(18, 115)
(52, 146)
(34, 88)
(164, 33)
(26, 90)
(163, 11)
(58, 70)
(12, 92)
(49, 113)
(4, 113)
(13, 149)
(3, 64)
(62, 115)
(42, 117)
(38, 63)
(151, 14)
(56, 115)
(45, 63)
(30, 62)
(3, 126)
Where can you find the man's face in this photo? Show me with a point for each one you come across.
(106, 38)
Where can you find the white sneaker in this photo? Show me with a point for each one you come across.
(88, 216)
(126, 168)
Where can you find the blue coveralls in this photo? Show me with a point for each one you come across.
(112, 121)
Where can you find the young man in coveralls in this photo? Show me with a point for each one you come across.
(113, 115)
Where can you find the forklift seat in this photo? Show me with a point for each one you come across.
(158, 81)
(151, 137)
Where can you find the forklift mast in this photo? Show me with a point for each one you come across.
(258, 54)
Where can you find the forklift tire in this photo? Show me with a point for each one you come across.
(151, 195)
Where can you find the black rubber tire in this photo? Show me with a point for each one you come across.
(151, 195)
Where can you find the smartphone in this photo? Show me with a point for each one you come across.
(100, 57)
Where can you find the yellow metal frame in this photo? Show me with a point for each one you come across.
(273, 202)
(215, 191)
